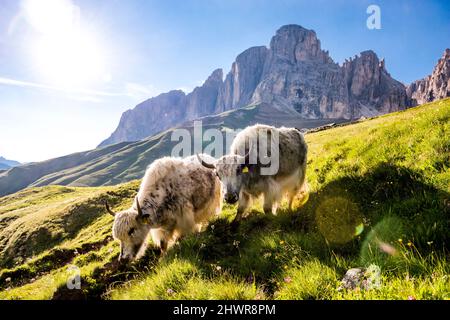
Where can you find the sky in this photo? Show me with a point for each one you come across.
(70, 68)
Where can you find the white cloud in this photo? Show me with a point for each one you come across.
(20, 83)
(135, 91)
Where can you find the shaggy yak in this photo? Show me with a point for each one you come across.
(242, 171)
(175, 198)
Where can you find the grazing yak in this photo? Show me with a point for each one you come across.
(245, 173)
(175, 198)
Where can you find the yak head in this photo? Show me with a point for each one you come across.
(131, 228)
(234, 171)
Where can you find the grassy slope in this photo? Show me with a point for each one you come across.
(380, 183)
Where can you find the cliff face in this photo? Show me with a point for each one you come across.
(293, 75)
(298, 74)
(434, 87)
(241, 81)
(151, 116)
(371, 89)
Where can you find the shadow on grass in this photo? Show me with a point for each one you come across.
(344, 218)
(339, 219)
(65, 226)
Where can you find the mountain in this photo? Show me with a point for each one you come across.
(362, 202)
(7, 164)
(126, 161)
(293, 74)
(434, 87)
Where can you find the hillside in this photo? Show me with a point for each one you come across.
(18, 178)
(379, 195)
(126, 161)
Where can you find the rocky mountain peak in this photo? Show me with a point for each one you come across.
(295, 43)
(371, 89)
(215, 78)
(293, 75)
(435, 86)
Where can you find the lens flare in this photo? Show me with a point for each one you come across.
(359, 229)
(339, 220)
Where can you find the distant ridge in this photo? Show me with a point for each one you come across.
(7, 164)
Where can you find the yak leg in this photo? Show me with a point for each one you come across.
(161, 238)
(244, 203)
(268, 205)
(271, 198)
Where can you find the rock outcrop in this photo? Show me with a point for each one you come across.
(293, 75)
(167, 110)
(434, 87)
(150, 116)
(372, 90)
(298, 74)
(242, 80)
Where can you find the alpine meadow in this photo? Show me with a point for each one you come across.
(379, 195)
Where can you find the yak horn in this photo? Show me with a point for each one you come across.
(108, 209)
(205, 164)
(138, 207)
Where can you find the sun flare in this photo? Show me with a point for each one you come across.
(64, 53)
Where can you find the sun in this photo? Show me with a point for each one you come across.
(69, 60)
(64, 53)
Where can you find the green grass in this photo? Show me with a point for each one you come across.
(379, 194)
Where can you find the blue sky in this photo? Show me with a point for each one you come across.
(68, 69)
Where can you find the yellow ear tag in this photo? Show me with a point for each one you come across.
(245, 170)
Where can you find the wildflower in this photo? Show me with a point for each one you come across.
(202, 245)
(410, 244)
(288, 279)
(285, 266)
(281, 242)
(400, 240)
(212, 227)
(236, 243)
(170, 291)
(430, 243)
(218, 268)
(411, 298)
